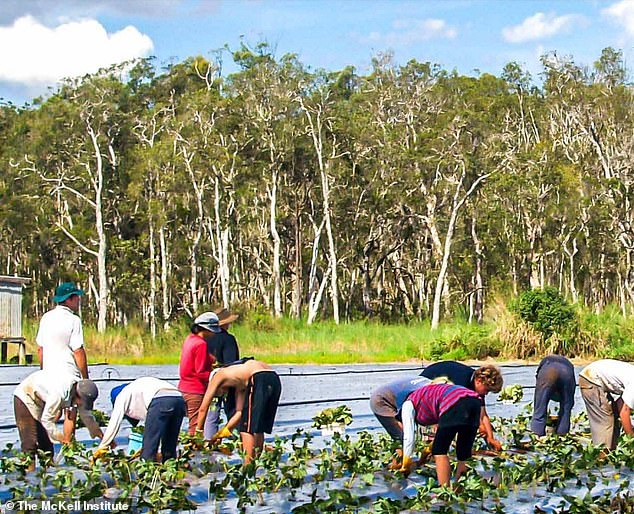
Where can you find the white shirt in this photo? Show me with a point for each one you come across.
(133, 401)
(60, 334)
(616, 377)
(46, 395)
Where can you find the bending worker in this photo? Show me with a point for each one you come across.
(154, 401)
(607, 388)
(386, 403)
(555, 381)
(258, 390)
(483, 380)
(41, 399)
(456, 411)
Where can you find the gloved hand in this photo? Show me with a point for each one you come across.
(408, 465)
(99, 453)
(221, 434)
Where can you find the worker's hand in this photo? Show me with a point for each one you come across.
(408, 465)
(494, 444)
(221, 434)
(425, 454)
(395, 465)
(99, 453)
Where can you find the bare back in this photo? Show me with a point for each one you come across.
(238, 376)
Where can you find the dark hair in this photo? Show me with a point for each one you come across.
(196, 329)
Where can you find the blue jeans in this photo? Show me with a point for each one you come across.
(162, 426)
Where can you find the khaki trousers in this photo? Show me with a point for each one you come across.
(604, 419)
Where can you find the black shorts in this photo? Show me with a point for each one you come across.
(462, 419)
(260, 403)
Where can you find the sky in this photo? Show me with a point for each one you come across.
(43, 41)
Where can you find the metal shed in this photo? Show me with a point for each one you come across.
(11, 316)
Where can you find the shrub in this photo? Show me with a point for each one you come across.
(547, 311)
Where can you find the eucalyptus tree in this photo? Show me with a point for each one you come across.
(264, 91)
(83, 173)
(591, 126)
(316, 105)
(388, 116)
(463, 159)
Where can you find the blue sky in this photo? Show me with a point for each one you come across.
(42, 41)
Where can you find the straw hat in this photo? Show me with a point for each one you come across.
(225, 317)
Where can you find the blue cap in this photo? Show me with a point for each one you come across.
(115, 392)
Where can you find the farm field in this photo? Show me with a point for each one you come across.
(306, 472)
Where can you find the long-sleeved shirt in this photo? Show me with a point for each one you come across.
(195, 365)
(426, 405)
(46, 395)
(555, 381)
(133, 401)
(223, 346)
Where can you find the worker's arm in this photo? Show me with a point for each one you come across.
(116, 418)
(485, 425)
(237, 415)
(408, 415)
(625, 415)
(70, 421)
(210, 393)
(81, 361)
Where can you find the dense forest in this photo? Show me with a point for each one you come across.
(411, 192)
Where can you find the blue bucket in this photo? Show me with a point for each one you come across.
(135, 442)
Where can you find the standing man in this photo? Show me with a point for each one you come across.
(607, 388)
(258, 390)
(483, 380)
(555, 381)
(41, 399)
(224, 348)
(60, 337)
(154, 401)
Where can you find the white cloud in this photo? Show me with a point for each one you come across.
(540, 26)
(35, 55)
(622, 13)
(411, 31)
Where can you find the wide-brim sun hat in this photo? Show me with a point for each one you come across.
(225, 317)
(65, 290)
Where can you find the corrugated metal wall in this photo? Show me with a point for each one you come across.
(11, 306)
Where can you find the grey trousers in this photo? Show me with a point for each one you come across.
(604, 418)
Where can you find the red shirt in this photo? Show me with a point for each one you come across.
(195, 365)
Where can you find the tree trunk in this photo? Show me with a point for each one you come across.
(152, 296)
(275, 265)
(478, 282)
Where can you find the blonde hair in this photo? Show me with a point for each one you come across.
(490, 376)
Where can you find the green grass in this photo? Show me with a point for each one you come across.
(284, 340)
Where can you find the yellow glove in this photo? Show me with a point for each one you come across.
(408, 465)
(99, 453)
(222, 433)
